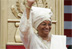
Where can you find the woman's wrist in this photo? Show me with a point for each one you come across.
(28, 6)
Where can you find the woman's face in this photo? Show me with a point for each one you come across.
(44, 28)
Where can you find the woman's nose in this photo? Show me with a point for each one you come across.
(47, 26)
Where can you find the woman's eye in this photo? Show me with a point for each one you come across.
(44, 24)
(49, 24)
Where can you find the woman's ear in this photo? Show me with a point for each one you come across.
(35, 30)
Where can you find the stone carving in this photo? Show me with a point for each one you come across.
(21, 6)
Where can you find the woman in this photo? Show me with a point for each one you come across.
(39, 19)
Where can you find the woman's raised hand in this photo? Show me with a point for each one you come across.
(28, 7)
(30, 2)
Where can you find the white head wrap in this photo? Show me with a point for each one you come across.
(39, 15)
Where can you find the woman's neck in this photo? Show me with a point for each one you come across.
(45, 37)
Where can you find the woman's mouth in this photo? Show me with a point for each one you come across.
(46, 30)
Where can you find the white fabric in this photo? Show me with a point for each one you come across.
(31, 40)
(40, 14)
(58, 42)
